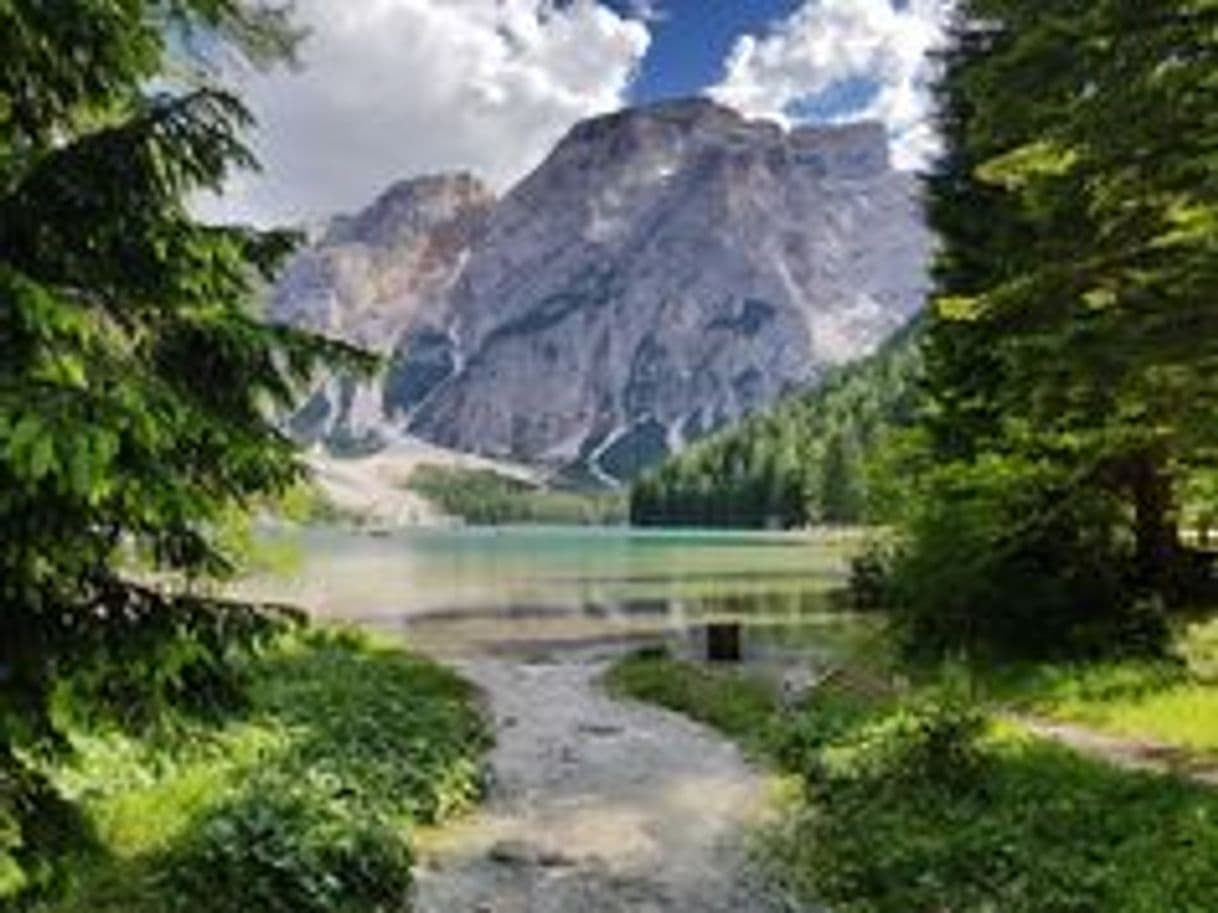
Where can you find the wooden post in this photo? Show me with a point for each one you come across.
(723, 643)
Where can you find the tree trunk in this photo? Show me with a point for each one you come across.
(1157, 535)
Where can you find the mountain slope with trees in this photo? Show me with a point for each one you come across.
(807, 461)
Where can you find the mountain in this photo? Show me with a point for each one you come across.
(666, 271)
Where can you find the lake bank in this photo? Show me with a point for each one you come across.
(595, 803)
(516, 612)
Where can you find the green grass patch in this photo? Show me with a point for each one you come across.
(486, 498)
(1173, 701)
(744, 707)
(304, 802)
(1022, 827)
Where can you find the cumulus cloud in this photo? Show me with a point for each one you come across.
(826, 44)
(395, 88)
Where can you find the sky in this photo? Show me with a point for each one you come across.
(391, 89)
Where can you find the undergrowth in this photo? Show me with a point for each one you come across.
(303, 802)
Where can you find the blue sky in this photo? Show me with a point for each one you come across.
(690, 39)
(391, 89)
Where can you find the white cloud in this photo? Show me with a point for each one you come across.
(648, 10)
(828, 41)
(396, 88)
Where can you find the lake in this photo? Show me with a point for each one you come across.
(462, 591)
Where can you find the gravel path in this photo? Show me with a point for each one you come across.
(596, 806)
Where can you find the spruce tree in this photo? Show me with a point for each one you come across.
(138, 386)
(1074, 337)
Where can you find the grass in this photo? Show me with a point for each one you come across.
(485, 498)
(1174, 701)
(739, 705)
(919, 804)
(305, 801)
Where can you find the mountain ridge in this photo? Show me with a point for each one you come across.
(665, 271)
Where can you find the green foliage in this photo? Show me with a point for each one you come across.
(36, 825)
(286, 847)
(1009, 557)
(1199, 650)
(1171, 701)
(1072, 345)
(928, 744)
(307, 504)
(336, 698)
(303, 800)
(137, 386)
(918, 805)
(487, 498)
(740, 705)
(1023, 826)
(813, 459)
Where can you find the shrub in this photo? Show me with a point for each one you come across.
(399, 731)
(921, 811)
(1199, 649)
(827, 715)
(38, 828)
(932, 742)
(290, 848)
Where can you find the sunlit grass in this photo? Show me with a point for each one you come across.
(1174, 702)
(736, 703)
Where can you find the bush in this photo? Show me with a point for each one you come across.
(1199, 650)
(38, 828)
(932, 743)
(290, 848)
(869, 577)
(824, 717)
(1005, 557)
(301, 801)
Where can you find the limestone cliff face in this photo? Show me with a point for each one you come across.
(372, 276)
(664, 272)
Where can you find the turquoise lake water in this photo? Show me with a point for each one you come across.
(470, 590)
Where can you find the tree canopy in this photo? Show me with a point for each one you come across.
(1073, 340)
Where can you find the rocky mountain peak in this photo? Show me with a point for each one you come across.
(372, 272)
(412, 206)
(665, 271)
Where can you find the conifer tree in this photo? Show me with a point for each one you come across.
(1074, 338)
(138, 386)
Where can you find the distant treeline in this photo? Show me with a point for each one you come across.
(482, 497)
(802, 463)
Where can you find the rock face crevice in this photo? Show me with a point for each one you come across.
(665, 271)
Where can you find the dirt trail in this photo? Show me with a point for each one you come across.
(1123, 751)
(596, 806)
